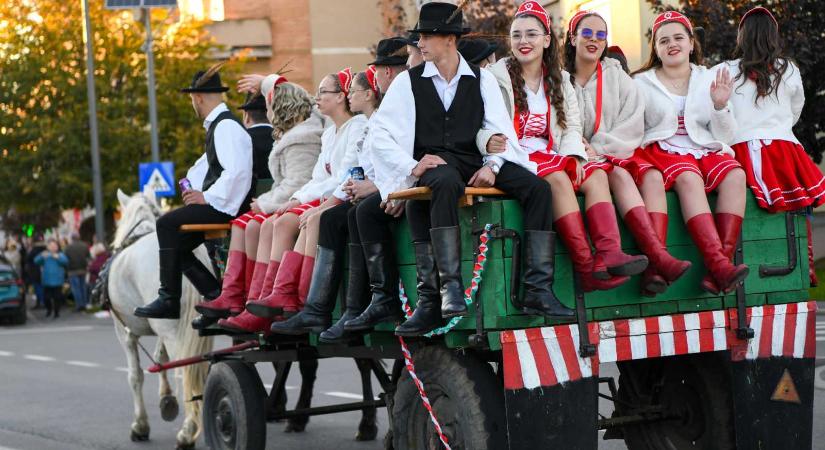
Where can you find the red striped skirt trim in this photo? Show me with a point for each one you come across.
(243, 220)
(553, 162)
(713, 168)
(637, 164)
(301, 209)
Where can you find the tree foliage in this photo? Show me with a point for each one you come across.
(45, 160)
(800, 25)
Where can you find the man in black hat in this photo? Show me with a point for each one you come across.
(220, 185)
(425, 134)
(412, 49)
(259, 128)
(478, 51)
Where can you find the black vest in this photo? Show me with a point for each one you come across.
(215, 167)
(261, 146)
(453, 131)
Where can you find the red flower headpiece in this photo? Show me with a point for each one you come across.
(345, 79)
(536, 10)
(371, 79)
(574, 21)
(671, 16)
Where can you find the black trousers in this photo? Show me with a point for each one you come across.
(53, 298)
(373, 222)
(447, 183)
(168, 228)
(337, 224)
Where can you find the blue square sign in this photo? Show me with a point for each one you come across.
(160, 176)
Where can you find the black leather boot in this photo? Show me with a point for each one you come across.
(385, 305)
(427, 314)
(539, 261)
(446, 244)
(167, 305)
(323, 290)
(358, 293)
(201, 277)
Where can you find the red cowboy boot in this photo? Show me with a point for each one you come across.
(604, 232)
(647, 238)
(703, 231)
(245, 323)
(285, 289)
(728, 226)
(231, 299)
(269, 280)
(811, 268)
(255, 287)
(570, 229)
(652, 282)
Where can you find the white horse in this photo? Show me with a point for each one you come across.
(133, 281)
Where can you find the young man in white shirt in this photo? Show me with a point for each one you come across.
(221, 180)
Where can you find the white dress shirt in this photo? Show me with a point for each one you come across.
(393, 130)
(233, 146)
(364, 160)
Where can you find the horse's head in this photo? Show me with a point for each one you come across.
(138, 215)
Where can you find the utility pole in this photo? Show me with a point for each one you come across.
(97, 184)
(150, 69)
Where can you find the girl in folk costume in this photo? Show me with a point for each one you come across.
(292, 247)
(687, 124)
(768, 97)
(612, 117)
(546, 117)
(297, 128)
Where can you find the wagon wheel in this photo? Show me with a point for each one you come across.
(693, 391)
(233, 407)
(466, 396)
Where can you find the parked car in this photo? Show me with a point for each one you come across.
(12, 297)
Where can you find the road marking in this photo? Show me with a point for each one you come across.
(6, 448)
(82, 364)
(46, 330)
(268, 387)
(40, 358)
(5, 353)
(819, 383)
(347, 395)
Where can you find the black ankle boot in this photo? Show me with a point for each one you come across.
(323, 290)
(201, 277)
(446, 244)
(167, 305)
(358, 291)
(539, 261)
(427, 314)
(385, 305)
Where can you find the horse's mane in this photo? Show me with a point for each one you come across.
(138, 218)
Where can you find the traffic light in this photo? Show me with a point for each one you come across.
(28, 230)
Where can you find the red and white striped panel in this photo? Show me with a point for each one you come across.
(549, 356)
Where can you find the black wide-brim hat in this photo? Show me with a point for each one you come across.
(433, 20)
(385, 49)
(476, 50)
(208, 85)
(254, 102)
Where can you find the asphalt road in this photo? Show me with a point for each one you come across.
(63, 386)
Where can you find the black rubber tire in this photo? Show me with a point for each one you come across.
(695, 388)
(20, 317)
(466, 396)
(234, 416)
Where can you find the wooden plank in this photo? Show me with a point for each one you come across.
(199, 227)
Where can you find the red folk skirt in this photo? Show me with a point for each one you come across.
(553, 162)
(712, 167)
(781, 175)
(244, 219)
(637, 164)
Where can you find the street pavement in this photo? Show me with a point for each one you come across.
(63, 386)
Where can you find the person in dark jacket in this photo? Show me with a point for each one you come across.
(78, 254)
(259, 128)
(32, 272)
(53, 263)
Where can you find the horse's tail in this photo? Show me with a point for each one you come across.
(191, 344)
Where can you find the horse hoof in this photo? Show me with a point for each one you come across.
(296, 425)
(139, 437)
(169, 408)
(367, 432)
(181, 446)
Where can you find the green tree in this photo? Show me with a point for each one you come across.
(45, 158)
(800, 25)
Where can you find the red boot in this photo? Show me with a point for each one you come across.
(609, 258)
(249, 274)
(285, 290)
(703, 231)
(640, 225)
(303, 286)
(811, 268)
(245, 323)
(652, 282)
(728, 226)
(231, 299)
(269, 280)
(570, 229)
(255, 287)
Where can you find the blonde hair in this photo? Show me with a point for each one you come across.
(290, 106)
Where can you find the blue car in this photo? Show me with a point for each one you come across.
(12, 297)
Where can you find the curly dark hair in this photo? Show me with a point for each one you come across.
(551, 64)
(653, 61)
(570, 50)
(760, 49)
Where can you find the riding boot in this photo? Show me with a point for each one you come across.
(257, 282)
(201, 277)
(167, 305)
(570, 229)
(446, 244)
(668, 267)
(231, 299)
(323, 291)
(358, 290)
(729, 227)
(811, 268)
(245, 322)
(269, 280)
(539, 262)
(385, 305)
(248, 275)
(284, 290)
(604, 233)
(652, 282)
(427, 314)
(703, 231)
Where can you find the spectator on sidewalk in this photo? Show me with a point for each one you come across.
(99, 257)
(32, 273)
(53, 263)
(79, 257)
(12, 255)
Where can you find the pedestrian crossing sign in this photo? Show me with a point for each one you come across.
(159, 177)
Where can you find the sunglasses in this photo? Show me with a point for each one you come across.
(588, 33)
